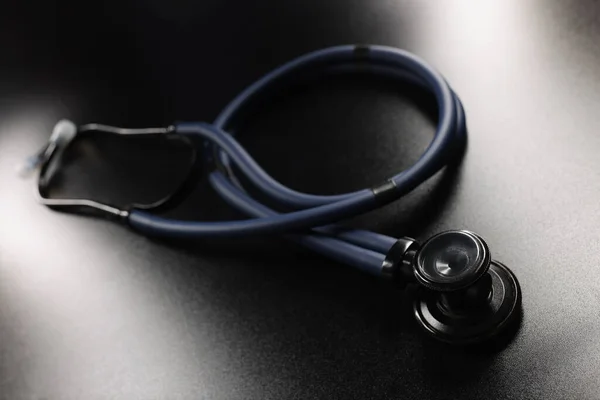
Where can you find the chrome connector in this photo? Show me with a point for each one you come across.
(398, 263)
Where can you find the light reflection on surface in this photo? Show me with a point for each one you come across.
(88, 316)
(528, 75)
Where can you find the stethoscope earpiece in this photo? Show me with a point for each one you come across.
(465, 297)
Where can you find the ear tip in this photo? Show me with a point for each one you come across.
(64, 131)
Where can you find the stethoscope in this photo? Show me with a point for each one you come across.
(464, 296)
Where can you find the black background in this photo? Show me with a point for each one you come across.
(90, 309)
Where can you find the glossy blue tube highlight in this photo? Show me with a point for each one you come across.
(367, 260)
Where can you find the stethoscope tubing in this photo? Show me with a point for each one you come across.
(309, 222)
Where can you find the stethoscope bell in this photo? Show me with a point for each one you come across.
(465, 297)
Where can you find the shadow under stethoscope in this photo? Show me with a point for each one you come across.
(445, 365)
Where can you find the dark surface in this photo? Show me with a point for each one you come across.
(91, 310)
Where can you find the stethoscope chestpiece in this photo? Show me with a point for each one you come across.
(465, 297)
(451, 261)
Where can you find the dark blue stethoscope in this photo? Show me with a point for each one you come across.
(464, 296)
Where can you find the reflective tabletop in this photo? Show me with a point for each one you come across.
(91, 310)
